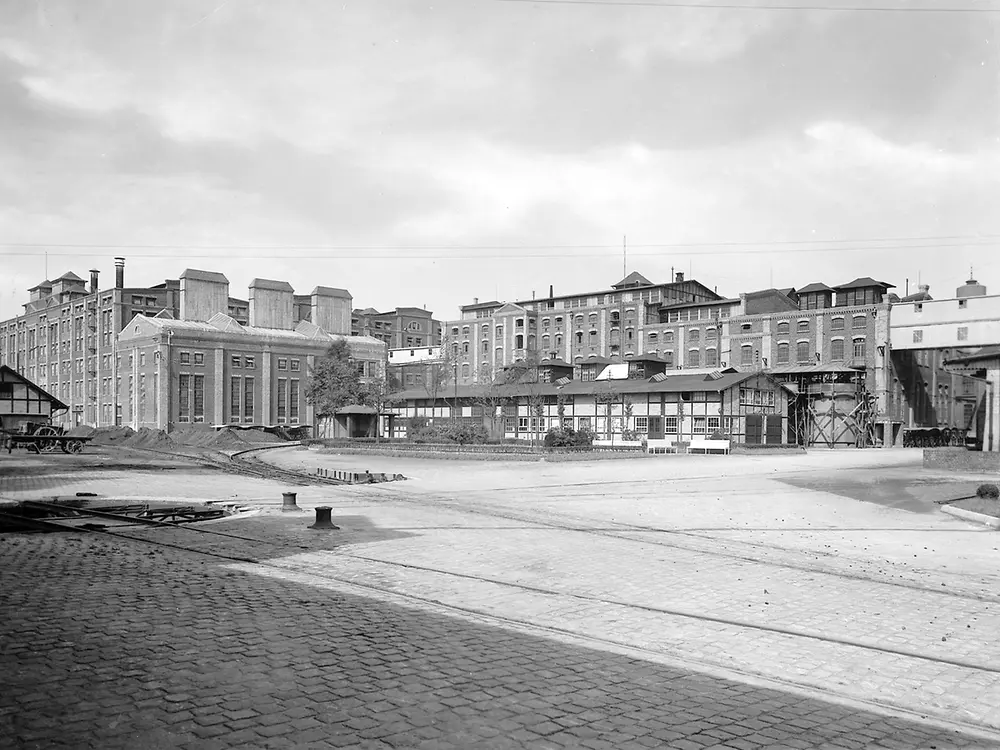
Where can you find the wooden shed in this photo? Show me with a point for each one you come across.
(21, 401)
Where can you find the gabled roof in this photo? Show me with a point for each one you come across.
(633, 279)
(198, 275)
(646, 358)
(816, 286)
(480, 305)
(43, 285)
(9, 374)
(367, 311)
(596, 360)
(272, 285)
(864, 281)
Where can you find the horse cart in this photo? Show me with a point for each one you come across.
(39, 437)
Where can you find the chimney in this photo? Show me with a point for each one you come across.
(119, 273)
(552, 291)
(93, 280)
(475, 300)
(679, 277)
(271, 304)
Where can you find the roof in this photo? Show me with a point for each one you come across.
(272, 285)
(57, 405)
(330, 291)
(811, 369)
(987, 352)
(554, 363)
(597, 360)
(368, 311)
(646, 358)
(43, 285)
(701, 303)
(816, 286)
(356, 409)
(865, 281)
(69, 276)
(480, 305)
(633, 279)
(196, 275)
(616, 371)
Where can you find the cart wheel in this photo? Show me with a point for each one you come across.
(74, 446)
(46, 446)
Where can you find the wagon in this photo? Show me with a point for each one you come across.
(38, 437)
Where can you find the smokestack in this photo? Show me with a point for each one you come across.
(552, 291)
(119, 273)
(93, 280)
(475, 300)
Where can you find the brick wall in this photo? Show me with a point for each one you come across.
(960, 459)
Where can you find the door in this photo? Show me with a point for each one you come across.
(772, 429)
(755, 429)
(655, 426)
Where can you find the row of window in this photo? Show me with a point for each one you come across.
(961, 334)
(237, 361)
(599, 425)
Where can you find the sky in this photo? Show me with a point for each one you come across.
(426, 154)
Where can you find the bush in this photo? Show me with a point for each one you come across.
(567, 437)
(719, 435)
(990, 491)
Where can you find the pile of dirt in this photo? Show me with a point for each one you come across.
(112, 435)
(149, 438)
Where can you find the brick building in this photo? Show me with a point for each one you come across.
(404, 327)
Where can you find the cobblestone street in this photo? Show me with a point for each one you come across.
(442, 618)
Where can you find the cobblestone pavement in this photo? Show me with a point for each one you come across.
(728, 579)
(113, 643)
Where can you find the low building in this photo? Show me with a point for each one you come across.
(22, 402)
(750, 408)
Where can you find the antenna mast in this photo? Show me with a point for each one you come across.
(624, 256)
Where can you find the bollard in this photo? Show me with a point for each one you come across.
(323, 521)
(288, 502)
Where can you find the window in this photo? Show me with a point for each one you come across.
(236, 361)
(963, 333)
(142, 359)
(522, 424)
(185, 358)
(918, 337)
(858, 321)
(745, 328)
(713, 424)
(652, 338)
(519, 341)
(782, 353)
(746, 354)
(282, 399)
(700, 424)
(642, 424)
(837, 350)
(859, 347)
(783, 327)
(199, 397)
(694, 358)
(584, 424)
(803, 326)
(250, 362)
(183, 398)
(802, 351)
(248, 399)
(293, 365)
(670, 425)
(282, 363)
(466, 370)
(918, 307)
(235, 388)
(694, 336)
(293, 401)
(837, 324)
(711, 358)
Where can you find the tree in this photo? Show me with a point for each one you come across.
(334, 381)
(608, 397)
(491, 394)
(439, 375)
(377, 394)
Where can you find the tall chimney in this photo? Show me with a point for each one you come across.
(119, 273)
(552, 291)
(93, 280)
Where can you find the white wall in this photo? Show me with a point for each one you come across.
(934, 324)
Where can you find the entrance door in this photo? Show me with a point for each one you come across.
(755, 429)
(655, 428)
(772, 429)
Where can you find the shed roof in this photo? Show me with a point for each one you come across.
(9, 374)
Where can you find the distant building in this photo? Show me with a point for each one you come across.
(22, 402)
(404, 327)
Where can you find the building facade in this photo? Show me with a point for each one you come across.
(404, 327)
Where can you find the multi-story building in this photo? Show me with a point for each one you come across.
(66, 338)
(404, 327)
(603, 323)
(205, 367)
(415, 367)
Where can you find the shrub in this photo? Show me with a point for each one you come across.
(630, 435)
(719, 435)
(566, 437)
(990, 491)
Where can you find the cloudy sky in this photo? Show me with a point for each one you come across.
(427, 153)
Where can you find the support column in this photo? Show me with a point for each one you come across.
(265, 387)
(991, 440)
(162, 388)
(219, 387)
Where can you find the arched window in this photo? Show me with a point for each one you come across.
(837, 350)
(545, 341)
(465, 370)
(783, 327)
(694, 358)
(465, 347)
(803, 325)
(558, 339)
(837, 324)
(519, 341)
(746, 354)
(802, 351)
(486, 346)
(859, 346)
(782, 354)
(694, 335)
(711, 358)
(746, 328)
(859, 321)
(652, 338)
(465, 330)
(668, 337)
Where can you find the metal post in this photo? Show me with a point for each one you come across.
(288, 502)
(323, 522)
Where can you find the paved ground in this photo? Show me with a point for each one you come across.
(712, 601)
